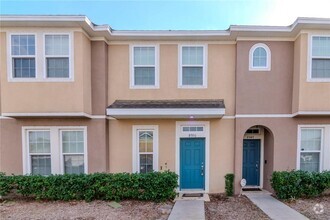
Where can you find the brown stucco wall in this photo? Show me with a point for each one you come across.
(284, 132)
(296, 75)
(269, 157)
(221, 147)
(11, 146)
(264, 92)
(221, 76)
(99, 77)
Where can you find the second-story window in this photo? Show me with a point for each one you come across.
(57, 56)
(23, 56)
(192, 67)
(259, 58)
(320, 58)
(144, 67)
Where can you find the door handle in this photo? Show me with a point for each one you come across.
(202, 170)
(257, 166)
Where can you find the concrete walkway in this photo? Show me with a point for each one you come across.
(188, 209)
(272, 207)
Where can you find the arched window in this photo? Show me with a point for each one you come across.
(259, 58)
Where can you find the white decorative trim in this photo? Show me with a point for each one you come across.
(264, 116)
(205, 62)
(311, 113)
(131, 57)
(51, 114)
(166, 113)
(205, 134)
(229, 117)
(4, 117)
(268, 58)
(135, 146)
(310, 57)
(55, 147)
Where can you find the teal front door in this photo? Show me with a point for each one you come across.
(251, 161)
(192, 163)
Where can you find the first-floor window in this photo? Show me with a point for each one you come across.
(310, 149)
(55, 150)
(146, 143)
(146, 148)
(73, 151)
(39, 152)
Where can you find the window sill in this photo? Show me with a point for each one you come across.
(35, 80)
(192, 87)
(259, 69)
(144, 87)
(319, 80)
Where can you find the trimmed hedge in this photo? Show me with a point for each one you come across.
(155, 186)
(297, 184)
(229, 184)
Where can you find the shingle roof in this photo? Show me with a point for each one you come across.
(163, 104)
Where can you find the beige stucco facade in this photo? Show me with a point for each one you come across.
(50, 97)
(308, 95)
(277, 101)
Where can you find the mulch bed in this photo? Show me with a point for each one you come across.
(306, 207)
(222, 207)
(29, 209)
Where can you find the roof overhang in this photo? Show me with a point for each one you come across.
(105, 32)
(189, 109)
(166, 113)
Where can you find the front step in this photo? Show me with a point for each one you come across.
(192, 196)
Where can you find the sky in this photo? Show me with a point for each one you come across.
(174, 15)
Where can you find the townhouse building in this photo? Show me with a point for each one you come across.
(76, 97)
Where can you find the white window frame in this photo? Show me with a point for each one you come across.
(63, 154)
(310, 57)
(325, 145)
(132, 72)
(10, 57)
(70, 78)
(29, 154)
(135, 150)
(205, 61)
(40, 65)
(57, 163)
(268, 58)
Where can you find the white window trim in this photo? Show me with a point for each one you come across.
(325, 145)
(57, 166)
(205, 134)
(40, 65)
(205, 60)
(268, 60)
(10, 70)
(70, 56)
(310, 57)
(131, 57)
(135, 146)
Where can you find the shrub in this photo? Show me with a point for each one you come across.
(229, 184)
(156, 186)
(297, 184)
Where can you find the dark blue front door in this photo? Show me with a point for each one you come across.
(251, 161)
(192, 163)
